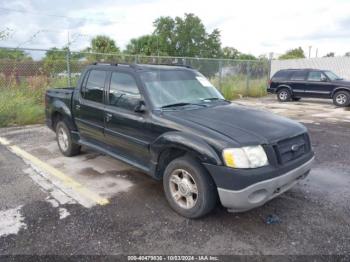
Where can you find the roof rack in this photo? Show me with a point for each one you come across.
(172, 64)
(135, 66)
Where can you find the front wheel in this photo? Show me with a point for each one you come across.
(284, 95)
(64, 140)
(189, 189)
(341, 98)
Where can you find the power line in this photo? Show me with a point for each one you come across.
(56, 16)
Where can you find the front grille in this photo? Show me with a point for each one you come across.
(292, 148)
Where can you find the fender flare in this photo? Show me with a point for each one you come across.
(190, 143)
(339, 89)
(284, 86)
(59, 106)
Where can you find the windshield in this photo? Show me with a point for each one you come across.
(332, 76)
(178, 87)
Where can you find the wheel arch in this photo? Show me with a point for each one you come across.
(283, 86)
(341, 88)
(172, 145)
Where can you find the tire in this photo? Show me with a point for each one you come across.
(341, 98)
(184, 178)
(284, 95)
(296, 98)
(64, 140)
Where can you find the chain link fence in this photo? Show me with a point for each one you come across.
(25, 75)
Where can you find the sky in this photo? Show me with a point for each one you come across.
(255, 27)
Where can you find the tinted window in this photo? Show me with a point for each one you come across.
(316, 76)
(282, 75)
(93, 89)
(123, 91)
(298, 75)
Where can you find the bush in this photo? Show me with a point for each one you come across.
(22, 102)
(17, 107)
(233, 87)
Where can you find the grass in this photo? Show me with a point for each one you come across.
(22, 100)
(233, 87)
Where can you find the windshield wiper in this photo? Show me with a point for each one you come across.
(214, 99)
(181, 104)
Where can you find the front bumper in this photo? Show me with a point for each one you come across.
(257, 194)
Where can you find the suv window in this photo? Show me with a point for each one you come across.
(123, 91)
(298, 76)
(316, 76)
(282, 75)
(93, 89)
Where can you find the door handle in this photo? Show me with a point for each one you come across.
(108, 117)
(77, 107)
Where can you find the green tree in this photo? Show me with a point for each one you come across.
(144, 45)
(102, 44)
(230, 53)
(293, 54)
(55, 60)
(14, 54)
(243, 56)
(330, 54)
(178, 37)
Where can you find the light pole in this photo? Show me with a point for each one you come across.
(310, 51)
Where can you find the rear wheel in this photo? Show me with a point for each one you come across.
(341, 98)
(284, 95)
(64, 140)
(189, 189)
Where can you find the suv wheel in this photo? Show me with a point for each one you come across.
(64, 140)
(189, 189)
(341, 98)
(284, 95)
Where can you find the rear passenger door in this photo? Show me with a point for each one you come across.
(318, 85)
(89, 107)
(298, 82)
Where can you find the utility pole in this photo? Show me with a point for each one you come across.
(316, 52)
(310, 51)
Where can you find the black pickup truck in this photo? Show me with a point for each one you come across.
(170, 122)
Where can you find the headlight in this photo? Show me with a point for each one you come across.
(245, 157)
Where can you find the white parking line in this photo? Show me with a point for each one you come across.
(64, 183)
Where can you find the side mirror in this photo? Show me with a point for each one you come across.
(324, 80)
(140, 107)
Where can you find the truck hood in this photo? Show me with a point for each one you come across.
(244, 125)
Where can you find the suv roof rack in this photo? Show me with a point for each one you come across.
(137, 66)
(172, 64)
(301, 69)
(116, 64)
